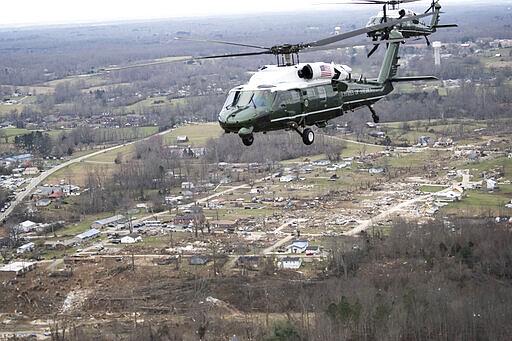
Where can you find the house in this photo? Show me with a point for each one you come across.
(69, 243)
(451, 194)
(376, 170)
(182, 139)
(425, 141)
(198, 260)
(131, 239)
(31, 171)
(26, 226)
(22, 158)
(56, 195)
(174, 200)
(89, 234)
(111, 220)
(43, 202)
(298, 246)
(312, 250)
(290, 262)
(54, 245)
(489, 185)
(25, 248)
(287, 178)
(17, 268)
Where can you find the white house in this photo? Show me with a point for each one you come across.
(452, 194)
(182, 139)
(291, 262)
(25, 248)
(287, 178)
(298, 246)
(489, 184)
(131, 239)
(18, 268)
(26, 226)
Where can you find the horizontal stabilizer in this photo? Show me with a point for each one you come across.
(446, 25)
(412, 79)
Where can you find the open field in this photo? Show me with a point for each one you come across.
(197, 134)
(481, 203)
(77, 173)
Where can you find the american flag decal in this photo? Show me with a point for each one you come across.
(325, 71)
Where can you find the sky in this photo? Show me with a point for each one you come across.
(79, 11)
(35, 12)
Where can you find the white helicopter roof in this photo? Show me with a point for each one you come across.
(277, 78)
(395, 13)
(392, 13)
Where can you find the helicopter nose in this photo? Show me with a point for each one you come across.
(234, 120)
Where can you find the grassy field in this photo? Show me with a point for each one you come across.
(355, 149)
(161, 101)
(77, 173)
(486, 165)
(483, 203)
(423, 157)
(6, 109)
(104, 162)
(197, 134)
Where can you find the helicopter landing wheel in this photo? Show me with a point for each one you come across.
(308, 136)
(248, 140)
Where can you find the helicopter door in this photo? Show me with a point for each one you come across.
(290, 104)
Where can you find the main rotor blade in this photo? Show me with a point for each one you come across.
(360, 43)
(233, 55)
(181, 59)
(149, 63)
(221, 42)
(350, 34)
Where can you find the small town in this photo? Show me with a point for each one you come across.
(130, 210)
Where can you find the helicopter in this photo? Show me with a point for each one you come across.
(410, 28)
(294, 96)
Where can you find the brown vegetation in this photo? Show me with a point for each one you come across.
(420, 282)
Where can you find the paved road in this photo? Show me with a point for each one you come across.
(20, 196)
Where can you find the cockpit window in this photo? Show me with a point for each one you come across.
(263, 98)
(257, 99)
(231, 99)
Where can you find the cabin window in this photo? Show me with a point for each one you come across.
(321, 93)
(310, 92)
(287, 97)
(295, 95)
